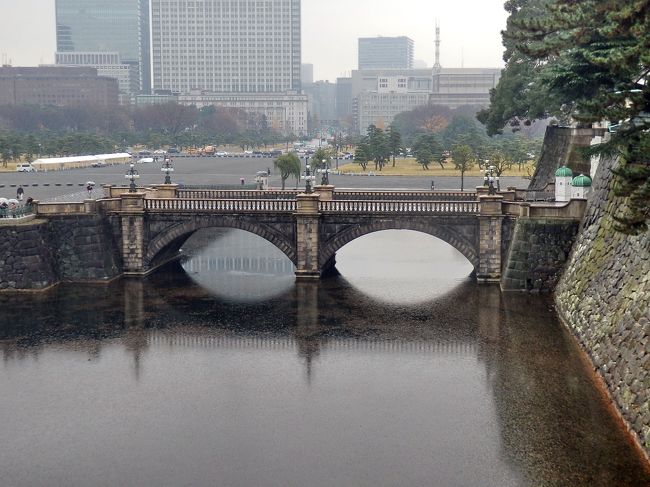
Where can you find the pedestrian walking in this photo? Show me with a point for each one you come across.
(20, 192)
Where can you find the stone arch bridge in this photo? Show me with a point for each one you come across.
(151, 224)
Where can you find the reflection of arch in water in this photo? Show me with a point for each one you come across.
(238, 266)
(165, 245)
(446, 233)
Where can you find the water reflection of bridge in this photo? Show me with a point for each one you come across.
(254, 264)
(162, 338)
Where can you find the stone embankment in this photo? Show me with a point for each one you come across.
(85, 251)
(604, 298)
(538, 252)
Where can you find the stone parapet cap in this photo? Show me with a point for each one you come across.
(326, 191)
(132, 202)
(164, 191)
(307, 203)
(490, 204)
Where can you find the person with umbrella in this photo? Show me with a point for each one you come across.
(89, 187)
(4, 204)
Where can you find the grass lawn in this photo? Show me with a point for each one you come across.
(408, 167)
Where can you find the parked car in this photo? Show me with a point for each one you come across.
(173, 150)
(221, 154)
(144, 160)
(144, 152)
(25, 168)
(98, 164)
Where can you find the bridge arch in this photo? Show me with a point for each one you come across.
(443, 232)
(166, 244)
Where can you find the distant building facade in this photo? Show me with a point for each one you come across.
(107, 27)
(343, 98)
(57, 86)
(107, 64)
(284, 112)
(379, 95)
(321, 97)
(306, 73)
(455, 87)
(385, 53)
(234, 53)
(226, 46)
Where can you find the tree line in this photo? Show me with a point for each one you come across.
(28, 131)
(462, 141)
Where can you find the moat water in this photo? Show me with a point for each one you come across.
(222, 370)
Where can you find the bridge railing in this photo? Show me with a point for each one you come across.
(236, 194)
(216, 193)
(224, 206)
(405, 195)
(422, 207)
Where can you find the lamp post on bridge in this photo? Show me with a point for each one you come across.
(490, 179)
(325, 170)
(167, 168)
(132, 174)
(308, 178)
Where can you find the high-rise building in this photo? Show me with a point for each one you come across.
(107, 26)
(226, 46)
(385, 53)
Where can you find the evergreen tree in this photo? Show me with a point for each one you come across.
(588, 61)
(394, 141)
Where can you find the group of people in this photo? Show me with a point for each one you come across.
(8, 207)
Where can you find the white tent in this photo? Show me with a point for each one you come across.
(58, 163)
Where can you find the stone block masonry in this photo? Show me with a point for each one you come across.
(538, 252)
(26, 260)
(86, 249)
(604, 298)
(39, 253)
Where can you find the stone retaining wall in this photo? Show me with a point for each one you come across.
(39, 254)
(604, 297)
(538, 252)
(86, 249)
(26, 260)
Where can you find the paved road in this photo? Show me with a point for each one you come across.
(69, 184)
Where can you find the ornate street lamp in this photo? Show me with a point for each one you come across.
(325, 173)
(167, 168)
(491, 189)
(132, 174)
(308, 178)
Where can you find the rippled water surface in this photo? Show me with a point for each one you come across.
(223, 371)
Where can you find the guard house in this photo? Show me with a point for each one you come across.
(580, 187)
(563, 188)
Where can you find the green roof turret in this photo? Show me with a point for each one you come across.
(581, 181)
(564, 172)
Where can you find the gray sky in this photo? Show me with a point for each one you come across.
(470, 31)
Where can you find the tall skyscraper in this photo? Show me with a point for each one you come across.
(107, 26)
(385, 53)
(226, 46)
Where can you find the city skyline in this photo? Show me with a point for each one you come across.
(470, 42)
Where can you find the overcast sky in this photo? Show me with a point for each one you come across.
(470, 31)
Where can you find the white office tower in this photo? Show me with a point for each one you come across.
(226, 46)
